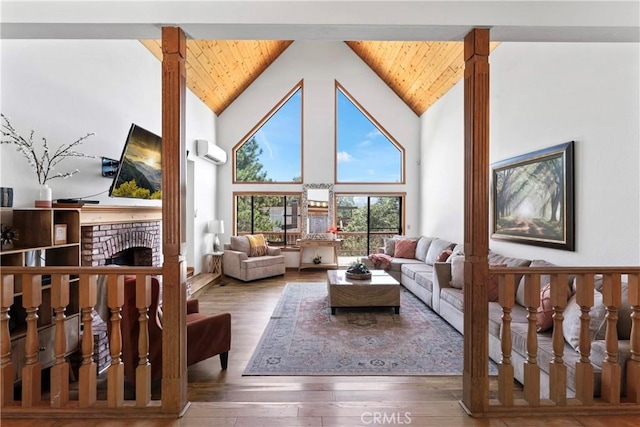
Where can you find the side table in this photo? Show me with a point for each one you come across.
(214, 263)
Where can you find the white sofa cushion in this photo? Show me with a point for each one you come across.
(544, 280)
(571, 322)
(457, 271)
(422, 247)
(437, 245)
(240, 244)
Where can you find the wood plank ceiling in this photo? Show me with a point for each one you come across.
(419, 72)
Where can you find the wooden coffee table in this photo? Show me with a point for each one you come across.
(381, 290)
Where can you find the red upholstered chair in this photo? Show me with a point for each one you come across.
(207, 336)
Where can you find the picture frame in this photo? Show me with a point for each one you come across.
(59, 234)
(533, 198)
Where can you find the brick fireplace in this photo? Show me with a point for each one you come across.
(120, 235)
(111, 234)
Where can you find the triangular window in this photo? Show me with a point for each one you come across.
(365, 151)
(272, 151)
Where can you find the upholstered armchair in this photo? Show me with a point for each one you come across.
(207, 336)
(243, 261)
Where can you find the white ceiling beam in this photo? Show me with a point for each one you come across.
(606, 21)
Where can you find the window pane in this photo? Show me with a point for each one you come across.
(268, 215)
(274, 215)
(366, 221)
(352, 214)
(384, 220)
(273, 153)
(364, 152)
(243, 215)
(292, 219)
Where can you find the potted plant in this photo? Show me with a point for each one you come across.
(358, 271)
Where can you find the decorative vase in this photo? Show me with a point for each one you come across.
(45, 197)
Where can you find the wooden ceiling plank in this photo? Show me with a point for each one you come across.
(443, 83)
(202, 64)
(217, 64)
(447, 54)
(418, 72)
(434, 88)
(242, 73)
(436, 65)
(206, 72)
(414, 68)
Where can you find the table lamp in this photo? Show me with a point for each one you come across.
(216, 226)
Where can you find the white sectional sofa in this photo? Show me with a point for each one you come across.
(434, 283)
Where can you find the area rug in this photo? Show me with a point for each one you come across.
(303, 338)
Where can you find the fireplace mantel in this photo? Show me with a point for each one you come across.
(96, 215)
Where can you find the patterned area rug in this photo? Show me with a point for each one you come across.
(303, 338)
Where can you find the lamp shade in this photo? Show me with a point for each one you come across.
(216, 226)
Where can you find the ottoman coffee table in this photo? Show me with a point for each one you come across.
(381, 290)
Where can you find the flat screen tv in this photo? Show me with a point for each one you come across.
(139, 174)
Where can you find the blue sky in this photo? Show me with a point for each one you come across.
(364, 153)
(280, 139)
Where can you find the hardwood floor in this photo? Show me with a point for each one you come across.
(226, 398)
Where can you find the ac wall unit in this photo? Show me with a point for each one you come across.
(210, 151)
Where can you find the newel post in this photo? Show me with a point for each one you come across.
(475, 395)
(174, 184)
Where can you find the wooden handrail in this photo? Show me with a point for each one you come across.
(558, 401)
(31, 403)
(611, 372)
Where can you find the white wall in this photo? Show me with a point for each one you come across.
(64, 89)
(544, 94)
(319, 64)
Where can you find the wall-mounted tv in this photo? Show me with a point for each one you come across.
(139, 174)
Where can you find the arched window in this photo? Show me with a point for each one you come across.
(365, 151)
(272, 150)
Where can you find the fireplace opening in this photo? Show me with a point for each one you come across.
(134, 257)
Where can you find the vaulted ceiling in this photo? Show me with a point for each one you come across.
(419, 72)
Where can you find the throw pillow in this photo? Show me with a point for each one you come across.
(457, 278)
(389, 246)
(444, 255)
(544, 279)
(257, 244)
(571, 322)
(493, 288)
(457, 271)
(405, 248)
(544, 320)
(240, 244)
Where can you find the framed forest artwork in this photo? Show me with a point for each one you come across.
(533, 198)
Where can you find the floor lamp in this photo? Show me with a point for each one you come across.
(216, 226)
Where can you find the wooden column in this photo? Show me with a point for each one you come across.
(174, 350)
(476, 220)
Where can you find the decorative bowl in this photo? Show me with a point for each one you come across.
(358, 276)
